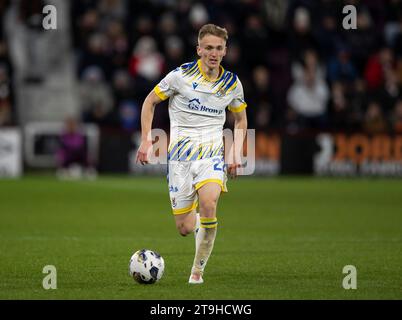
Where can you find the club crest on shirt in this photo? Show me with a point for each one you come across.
(220, 93)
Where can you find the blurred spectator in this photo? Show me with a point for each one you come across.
(112, 9)
(30, 14)
(346, 104)
(389, 92)
(396, 39)
(129, 114)
(167, 25)
(123, 86)
(396, 118)
(339, 109)
(174, 52)
(229, 23)
(280, 69)
(72, 157)
(308, 98)
(5, 105)
(197, 16)
(255, 39)
(392, 27)
(326, 33)
(261, 98)
(275, 13)
(233, 61)
(96, 97)
(310, 61)
(374, 121)
(95, 55)
(7, 112)
(143, 27)
(356, 97)
(85, 24)
(363, 40)
(378, 64)
(117, 51)
(263, 116)
(146, 62)
(341, 67)
(127, 110)
(301, 37)
(6, 109)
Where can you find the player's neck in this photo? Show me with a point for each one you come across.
(211, 73)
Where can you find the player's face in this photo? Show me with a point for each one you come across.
(211, 50)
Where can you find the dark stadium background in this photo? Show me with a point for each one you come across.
(326, 104)
(105, 57)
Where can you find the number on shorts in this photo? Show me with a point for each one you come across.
(218, 165)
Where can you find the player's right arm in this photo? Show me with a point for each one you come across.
(163, 90)
(147, 115)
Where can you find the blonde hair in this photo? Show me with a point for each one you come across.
(213, 30)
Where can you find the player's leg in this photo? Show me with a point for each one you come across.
(187, 223)
(208, 196)
(183, 197)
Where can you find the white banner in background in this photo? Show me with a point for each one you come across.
(10, 153)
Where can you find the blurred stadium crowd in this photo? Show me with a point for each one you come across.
(299, 67)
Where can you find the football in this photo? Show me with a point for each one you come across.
(146, 266)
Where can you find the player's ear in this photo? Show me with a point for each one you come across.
(199, 50)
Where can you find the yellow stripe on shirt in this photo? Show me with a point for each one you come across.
(160, 94)
(239, 108)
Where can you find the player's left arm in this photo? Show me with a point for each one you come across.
(240, 129)
(238, 108)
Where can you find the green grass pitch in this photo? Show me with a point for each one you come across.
(278, 238)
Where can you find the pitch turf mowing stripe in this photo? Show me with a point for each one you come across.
(278, 238)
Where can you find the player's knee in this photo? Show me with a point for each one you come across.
(184, 230)
(208, 208)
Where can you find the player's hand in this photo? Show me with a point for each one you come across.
(143, 151)
(232, 170)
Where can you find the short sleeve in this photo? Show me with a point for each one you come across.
(168, 85)
(238, 104)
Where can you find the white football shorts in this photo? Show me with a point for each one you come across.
(186, 177)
